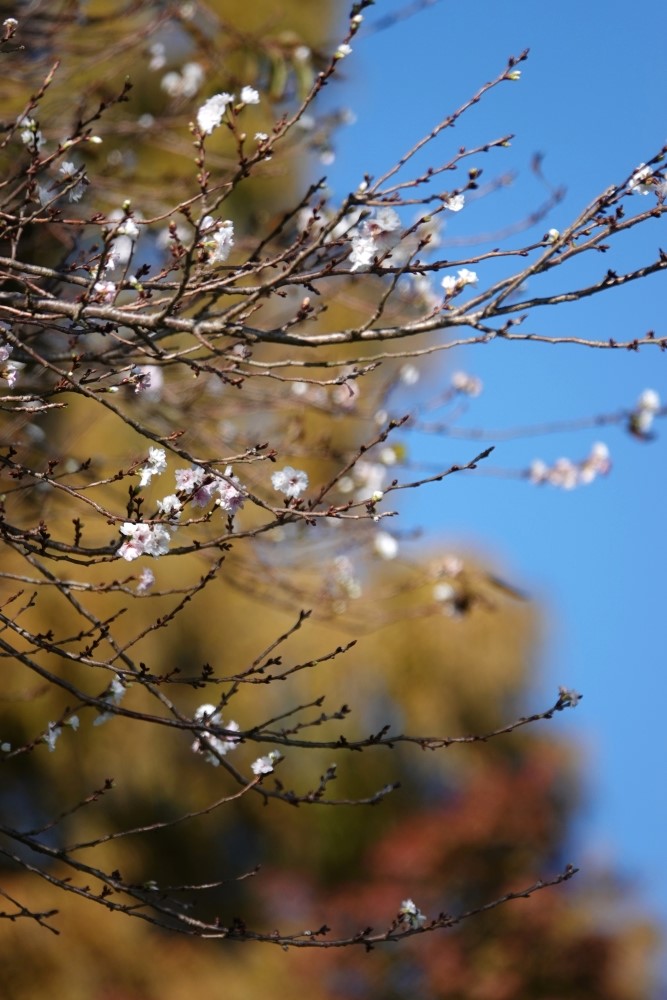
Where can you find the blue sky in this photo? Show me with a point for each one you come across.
(594, 558)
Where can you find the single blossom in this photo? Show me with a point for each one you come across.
(291, 482)
(188, 480)
(155, 465)
(249, 95)
(455, 203)
(71, 173)
(146, 581)
(410, 914)
(568, 698)
(52, 735)
(170, 506)
(641, 180)
(230, 495)
(364, 250)
(210, 113)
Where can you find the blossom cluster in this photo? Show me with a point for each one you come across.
(143, 540)
(381, 238)
(54, 731)
(210, 746)
(265, 765)
(194, 485)
(453, 284)
(212, 111)
(566, 474)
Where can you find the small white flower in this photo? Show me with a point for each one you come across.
(30, 133)
(69, 171)
(453, 284)
(568, 698)
(207, 713)
(73, 722)
(249, 95)
(640, 182)
(6, 747)
(210, 746)
(210, 114)
(155, 465)
(223, 243)
(410, 914)
(230, 496)
(364, 249)
(455, 203)
(552, 236)
(467, 277)
(261, 137)
(52, 735)
(149, 381)
(105, 291)
(189, 480)
(170, 506)
(146, 581)
(291, 482)
(113, 696)
(9, 370)
(265, 765)
(342, 51)
(129, 228)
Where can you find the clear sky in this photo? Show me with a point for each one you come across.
(595, 557)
